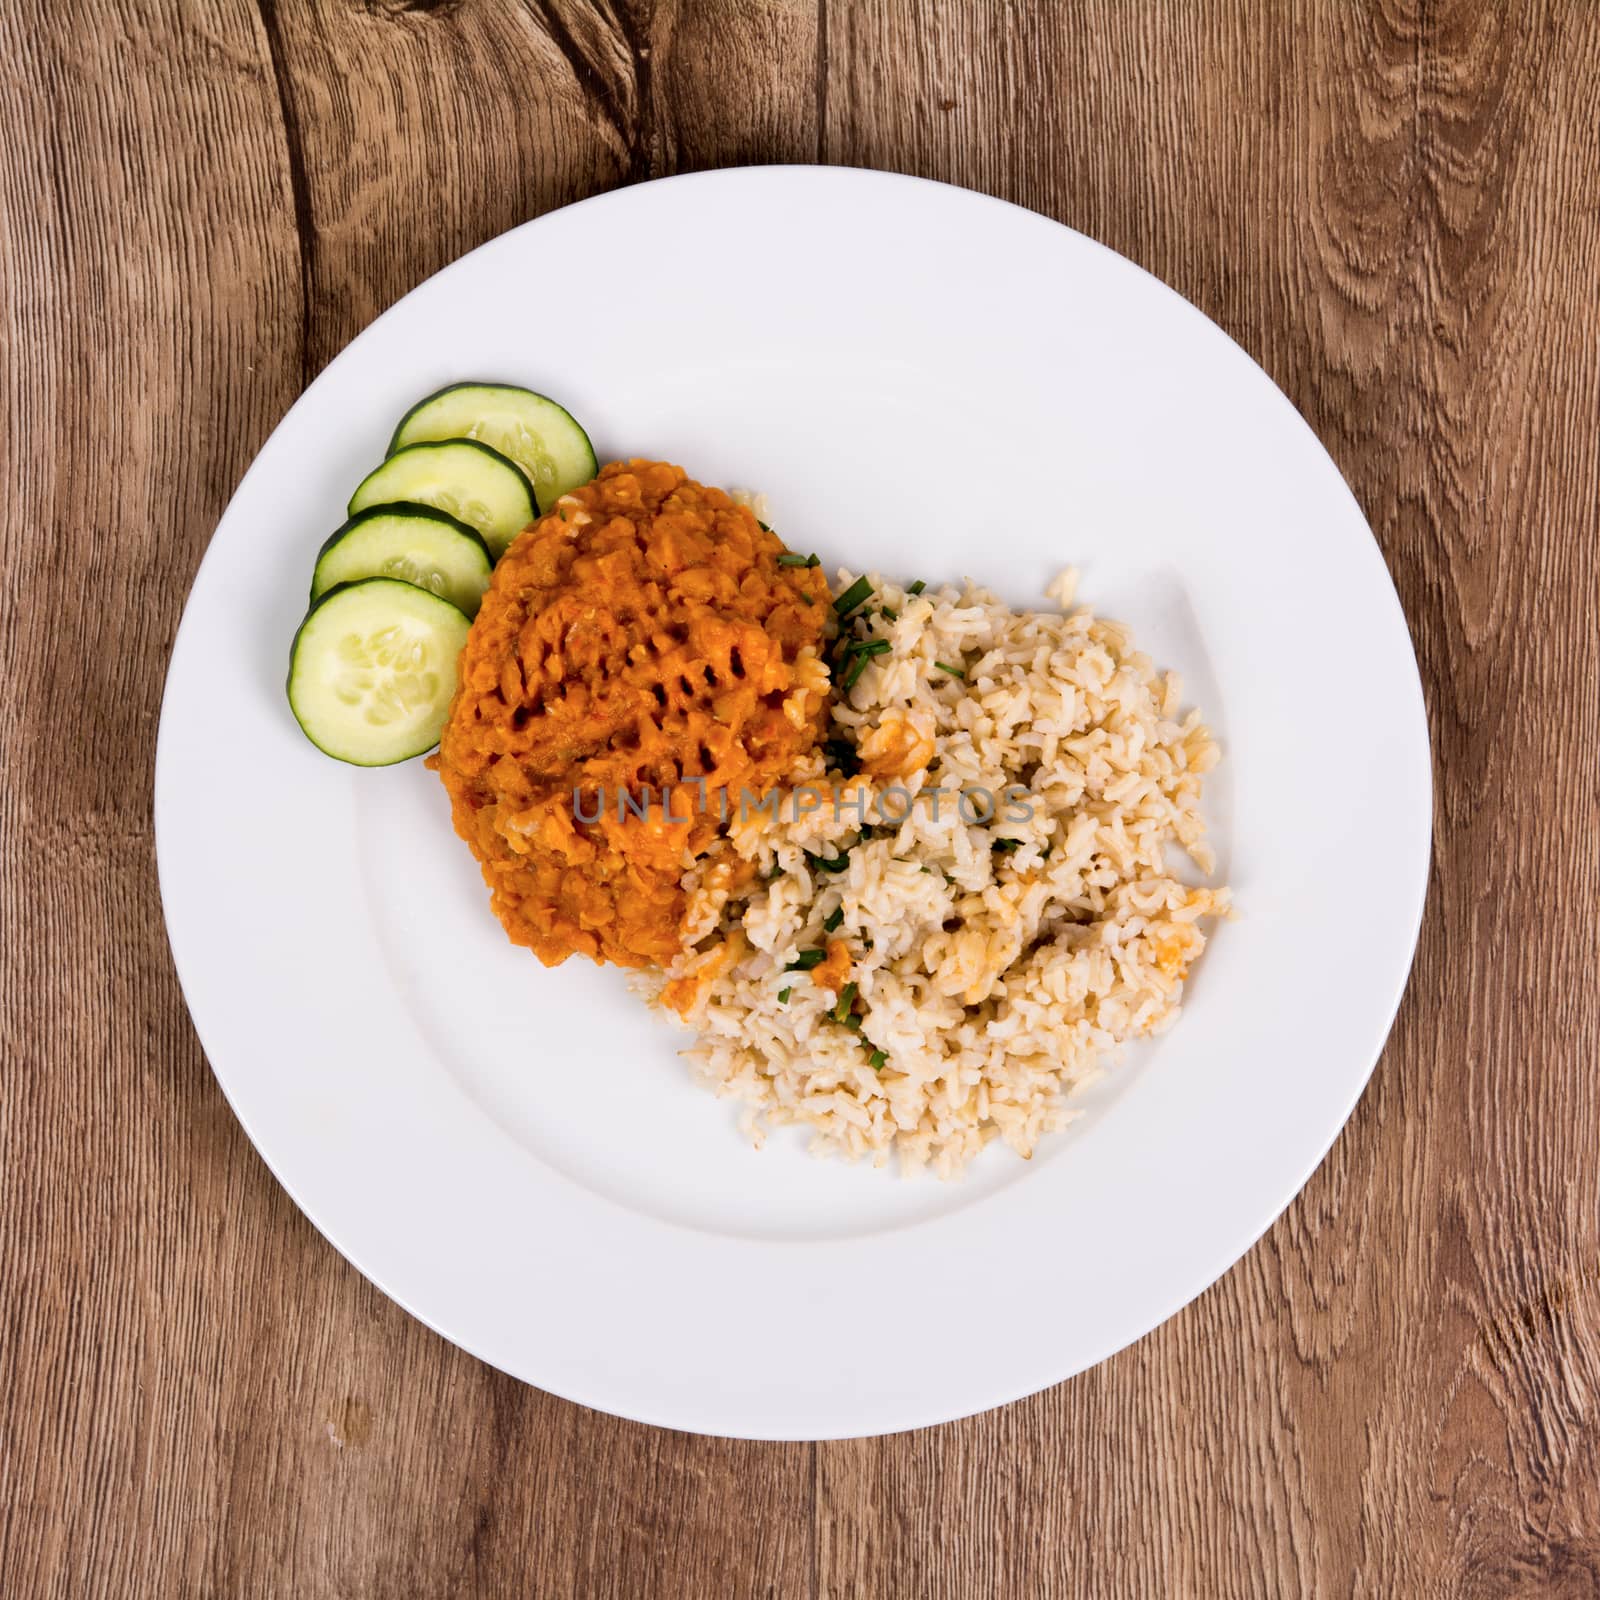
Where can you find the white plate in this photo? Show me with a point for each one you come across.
(922, 380)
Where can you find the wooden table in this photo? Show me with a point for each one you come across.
(1394, 208)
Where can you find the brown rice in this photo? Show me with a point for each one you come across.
(997, 963)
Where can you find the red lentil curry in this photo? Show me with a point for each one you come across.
(640, 637)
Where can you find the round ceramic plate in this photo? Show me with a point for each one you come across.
(927, 382)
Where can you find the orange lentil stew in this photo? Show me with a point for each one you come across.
(641, 636)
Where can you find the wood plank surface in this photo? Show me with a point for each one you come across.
(1394, 207)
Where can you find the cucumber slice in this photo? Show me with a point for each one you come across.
(412, 542)
(470, 481)
(372, 671)
(540, 436)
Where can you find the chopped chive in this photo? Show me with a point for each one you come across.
(955, 672)
(852, 597)
(888, 615)
(1008, 845)
(917, 587)
(806, 960)
(783, 995)
(877, 1059)
(806, 599)
(857, 653)
(842, 1009)
(852, 1022)
(828, 863)
(833, 919)
(762, 526)
(813, 560)
(790, 559)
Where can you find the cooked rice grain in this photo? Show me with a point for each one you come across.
(997, 964)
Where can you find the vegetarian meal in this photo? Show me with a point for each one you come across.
(900, 859)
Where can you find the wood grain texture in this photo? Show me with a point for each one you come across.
(1394, 207)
